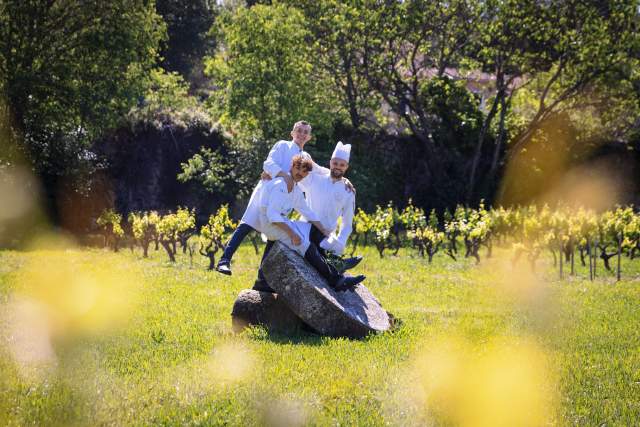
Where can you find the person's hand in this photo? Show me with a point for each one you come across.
(295, 239)
(349, 185)
(265, 176)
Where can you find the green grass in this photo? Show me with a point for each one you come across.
(172, 361)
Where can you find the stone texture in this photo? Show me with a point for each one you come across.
(266, 309)
(352, 314)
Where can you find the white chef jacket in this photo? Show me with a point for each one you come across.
(330, 200)
(274, 204)
(280, 157)
(278, 160)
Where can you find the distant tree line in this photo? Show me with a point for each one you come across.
(440, 99)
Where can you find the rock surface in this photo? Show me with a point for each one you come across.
(266, 309)
(352, 314)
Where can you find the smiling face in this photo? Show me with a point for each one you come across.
(338, 167)
(300, 167)
(298, 173)
(301, 133)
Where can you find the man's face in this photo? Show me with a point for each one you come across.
(338, 167)
(301, 134)
(298, 173)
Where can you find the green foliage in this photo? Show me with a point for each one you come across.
(110, 222)
(262, 69)
(213, 234)
(207, 168)
(72, 69)
(172, 361)
(188, 25)
(457, 109)
(527, 230)
(144, 228)
(167, 99)
(382, 226)
(176, 227)
(336, 30)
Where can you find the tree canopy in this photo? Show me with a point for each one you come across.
(70, 70)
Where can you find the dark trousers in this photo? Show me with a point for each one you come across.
(314, 256)
(236, 238)
(267, 248)
(316, 236)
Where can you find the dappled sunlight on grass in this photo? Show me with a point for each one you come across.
(78, 297)
(57, 299)
(504, 383)
(284, 411)
(124, 340)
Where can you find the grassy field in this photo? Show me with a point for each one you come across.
(90, 337)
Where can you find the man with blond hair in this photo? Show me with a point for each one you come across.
(278, 164)
(274, 201)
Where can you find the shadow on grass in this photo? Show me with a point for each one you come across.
(307, 336)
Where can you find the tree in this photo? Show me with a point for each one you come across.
(398, 48)
(174, 227)
(69, 70)
(144, 229)
(336, 28)
(188, 41)
(110, 221)
(207, 168)
(262, 68)
(213, 233)
(512, 41)
(591, 45)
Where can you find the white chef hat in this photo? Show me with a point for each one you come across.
(342, 151)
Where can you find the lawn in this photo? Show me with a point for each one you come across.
(90, 337)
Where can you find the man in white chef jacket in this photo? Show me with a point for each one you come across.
(275, 201)
(278, 164)
(329, 199)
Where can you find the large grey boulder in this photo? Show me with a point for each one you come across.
(266, 309)
(352, 314)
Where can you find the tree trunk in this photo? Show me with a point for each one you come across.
(561, 261)
(355, 244)
(572, 262)
(380, 249)
(486, 123)
(170, 248)
(499, 141)
(595, 257)
(589, 244)
(619, 255)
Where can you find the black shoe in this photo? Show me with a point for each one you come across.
(348, 283)
(224, 267)
(262, 286)
(349, 263)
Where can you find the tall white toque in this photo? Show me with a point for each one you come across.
(342, 151)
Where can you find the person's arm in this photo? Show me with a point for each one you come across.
(295, 239)
(349, 185)
(277, 198)
(321, 170)
(347, 221)
(302, 207)
(270, 165)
